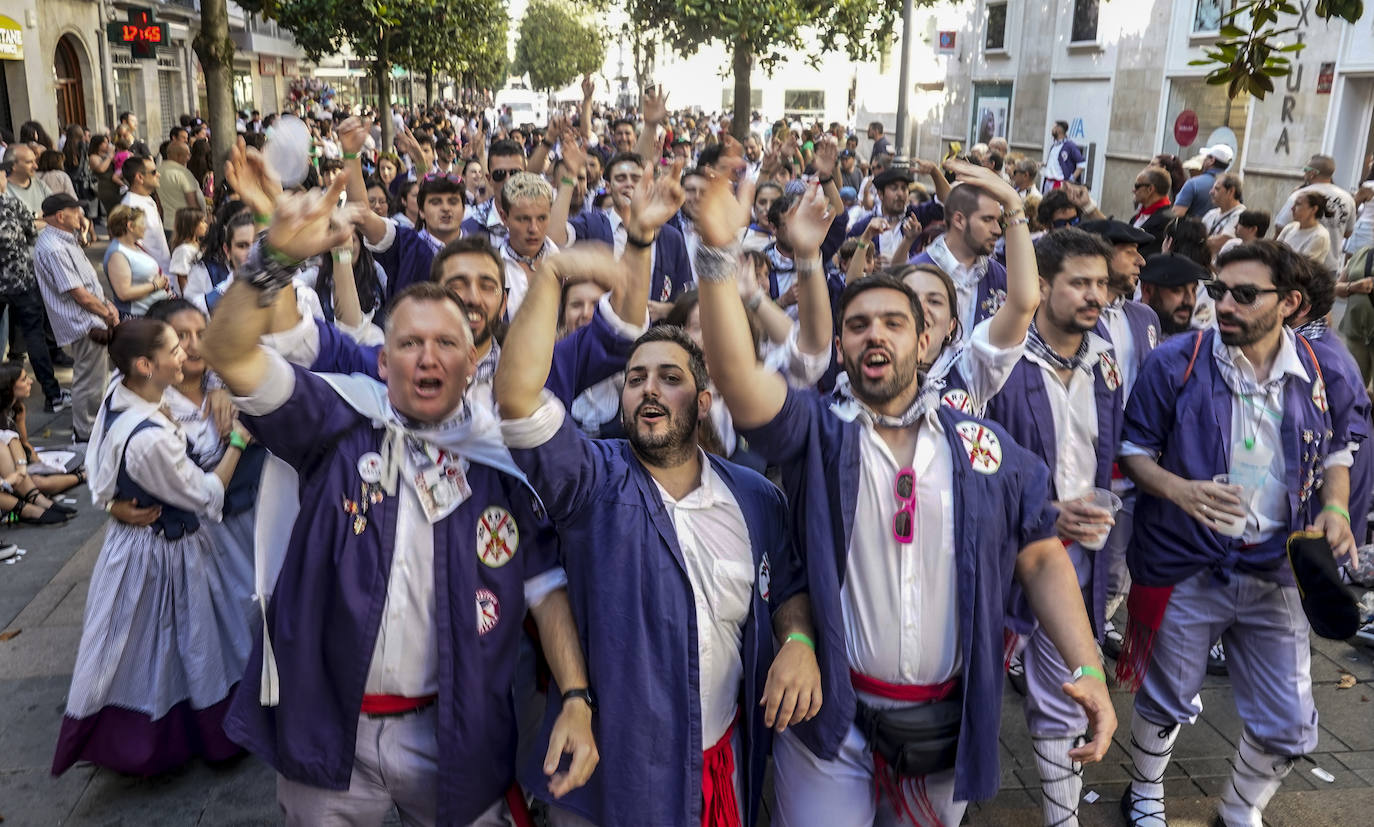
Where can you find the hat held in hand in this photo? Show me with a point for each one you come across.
(1328, 604)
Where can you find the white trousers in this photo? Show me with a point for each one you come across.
(841, 793)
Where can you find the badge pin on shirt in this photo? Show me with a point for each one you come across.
(356, 511)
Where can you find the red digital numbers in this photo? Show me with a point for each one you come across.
(141, 34)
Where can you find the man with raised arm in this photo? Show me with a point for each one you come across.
(396, 615)
(913, 520)
(675, 610)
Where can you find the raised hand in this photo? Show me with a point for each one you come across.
(808, 222)
(588, 87)
(721, 213)
(353, 135)
(306, 224)
(574, 157)
(586, 262)
(910, 227)
(986, 180)
(920, 166)
(655, 199)
(254, 182)
(826, 156)
(654, 105)
(406, 143)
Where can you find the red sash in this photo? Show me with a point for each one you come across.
(912, 693)
(908, 795)
(394, 704)
(719, 806)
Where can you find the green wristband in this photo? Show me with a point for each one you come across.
(279, 257)
(262, 218)
(1090, 672)
(236, 440)
(1338, 510)
(798, 636)
(567, 182)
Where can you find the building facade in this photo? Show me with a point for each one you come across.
(1119, 73)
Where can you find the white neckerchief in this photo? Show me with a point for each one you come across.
(105, 450)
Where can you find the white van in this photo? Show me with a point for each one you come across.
(526, 105)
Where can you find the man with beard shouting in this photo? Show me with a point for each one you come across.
(674, 558)
(913, 520)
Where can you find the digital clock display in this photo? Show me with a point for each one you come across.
(134, 33)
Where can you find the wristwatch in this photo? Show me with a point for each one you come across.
(584, 694)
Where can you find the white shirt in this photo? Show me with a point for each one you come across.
(715, 546)
(517, 280)
(1339, 221)
(1223, 223)
(986, 367)
(900, 601)
(154, 240)
(619, 235)
(1074, 408)
(966, 279)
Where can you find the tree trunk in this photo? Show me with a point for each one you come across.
(381, 75)
(429, 86)
(742, 63)
(215, 51)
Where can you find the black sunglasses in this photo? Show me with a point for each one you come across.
(1060, 223)
(1242, 293)
(499, 175)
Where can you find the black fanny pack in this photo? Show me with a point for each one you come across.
(915, 740)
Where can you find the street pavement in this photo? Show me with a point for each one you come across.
(43, 595)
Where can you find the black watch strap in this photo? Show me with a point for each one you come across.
(585, 694)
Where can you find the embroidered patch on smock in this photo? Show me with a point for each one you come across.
(497, 536)
(981, 445)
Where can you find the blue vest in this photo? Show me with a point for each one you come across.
(241, 495)
(992, 288)
(1023, 408)
(1188, 426)
(173, 523)
(326, 612)
(672, 272)
(407, 261)
(630, 594)
(819, 456)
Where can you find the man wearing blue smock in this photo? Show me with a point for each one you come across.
(674, 559)
(1208, 559)
(913, 520)
(418, 547)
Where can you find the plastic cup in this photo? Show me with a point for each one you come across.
(1233, 526)
(1109, 502)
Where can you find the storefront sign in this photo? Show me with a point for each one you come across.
(142, 33)
(267, 66)
(1186, 128)
(1325, 76)
(11, 39)
(289, 67)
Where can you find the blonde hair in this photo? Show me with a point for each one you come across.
(525, 186)
(121, 219)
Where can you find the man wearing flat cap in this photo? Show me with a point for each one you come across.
(1168, 284)
(893, 205)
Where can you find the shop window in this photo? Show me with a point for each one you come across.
(124, 89)
(803, 100)
(167, 96)
(995, 37)
(1084, 21)
(727, 99)
(243, 91)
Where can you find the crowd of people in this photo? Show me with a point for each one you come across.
(806, 448)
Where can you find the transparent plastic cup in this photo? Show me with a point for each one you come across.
(1109, 502)
(1233, 526)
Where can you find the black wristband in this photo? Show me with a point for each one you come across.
(639, 242)
(824, 181)
(584, 694)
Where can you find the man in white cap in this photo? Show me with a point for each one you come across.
(1195, 198)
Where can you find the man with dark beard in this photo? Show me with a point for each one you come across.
(898, 501)
(1131, 326)
(674, 608)
(1168, 284)
(1064, 402)
(1248, 400)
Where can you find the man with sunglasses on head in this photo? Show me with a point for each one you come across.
(1064, 401)
(404, 253)
(1248, 400)
(504, 159)
(913, 520)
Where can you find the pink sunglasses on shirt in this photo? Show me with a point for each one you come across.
(904, 521)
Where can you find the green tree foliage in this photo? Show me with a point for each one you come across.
(557, 45)
(762, 32)
(457, 36)
(1248, 60)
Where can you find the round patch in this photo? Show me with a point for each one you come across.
(958, 399)
(488, 611)
(1111, 374)
(497, 536)
(765, 576)
(1319, 394)
(981, 445)
(370, 467)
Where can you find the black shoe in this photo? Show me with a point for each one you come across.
(58, 404)
(1112, 641)
(1216, 660)
(1016, 673)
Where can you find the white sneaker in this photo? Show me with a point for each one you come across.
(7, 550)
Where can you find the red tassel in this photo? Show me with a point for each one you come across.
(1145, 606)
(519, 811)
(903, 792)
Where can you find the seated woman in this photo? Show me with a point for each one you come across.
(137, 280)
(163, 643)
(16, 452)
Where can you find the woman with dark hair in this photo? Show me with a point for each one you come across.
(100, 156)
(32, 132)
(1177, 176)
(406, 208)
(163, 640)
(1306, 234)
(51, 172)
(17, 454)
(201, 165)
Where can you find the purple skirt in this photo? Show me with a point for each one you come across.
(132, 743)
